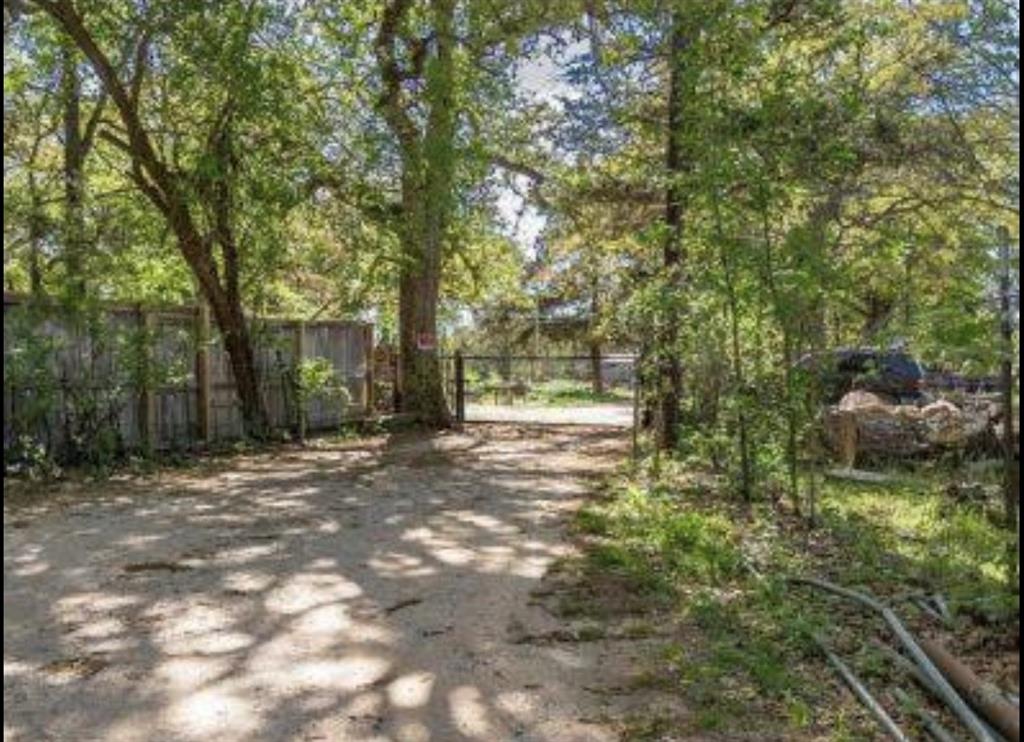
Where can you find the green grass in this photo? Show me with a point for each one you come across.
(646, 537)
(751, 659)
(692, 557)
(910, 534)
(565, 393)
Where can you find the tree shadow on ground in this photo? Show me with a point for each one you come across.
(346, 594)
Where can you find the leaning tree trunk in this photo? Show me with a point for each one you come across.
(230, 320)
(163, 186)
(74, 222)
(238, 344)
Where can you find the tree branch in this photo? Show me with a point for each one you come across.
(140, 64)
(520, 168)
(392, 75)
(89, 135)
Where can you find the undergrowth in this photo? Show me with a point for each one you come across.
(748, 661)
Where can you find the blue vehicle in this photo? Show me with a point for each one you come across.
(894, 375)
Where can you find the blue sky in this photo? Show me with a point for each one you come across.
(538, 77)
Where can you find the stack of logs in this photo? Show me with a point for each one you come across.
(863, 423)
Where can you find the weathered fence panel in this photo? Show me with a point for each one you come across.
(342, 345)
(190, 396)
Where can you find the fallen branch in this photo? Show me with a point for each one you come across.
(408, 603)
(876, 709)
(984, 696)
(746, 564)
(931, 724)
(943, 689)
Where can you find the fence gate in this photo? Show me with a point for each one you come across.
(546, 390)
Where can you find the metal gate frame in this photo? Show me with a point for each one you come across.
(458, 380)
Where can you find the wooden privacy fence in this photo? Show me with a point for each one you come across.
(191, 399)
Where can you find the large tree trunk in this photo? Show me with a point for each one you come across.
(671, 373)
(421, 387)
(420, 382)
(428, 154)
(422, 390)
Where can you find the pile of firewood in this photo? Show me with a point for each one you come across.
(864, 424)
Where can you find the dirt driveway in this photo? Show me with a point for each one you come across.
(383, 591)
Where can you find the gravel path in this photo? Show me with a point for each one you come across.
(377, 591)
(612, 415)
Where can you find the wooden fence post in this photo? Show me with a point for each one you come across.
(147, 397)
(298, 352)
(460, 387)
(368, 381)
(204, 416)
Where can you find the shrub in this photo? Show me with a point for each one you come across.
(315, 378)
